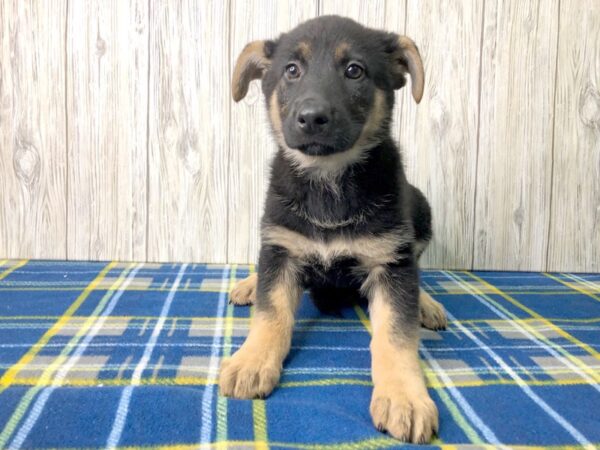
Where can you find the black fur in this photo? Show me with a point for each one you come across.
(373, 188)
(369, 197)
(340, 218)
(323, 78)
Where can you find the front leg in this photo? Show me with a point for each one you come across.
(400, 403)
(254, 370)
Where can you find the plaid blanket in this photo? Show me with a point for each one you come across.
(127, 354)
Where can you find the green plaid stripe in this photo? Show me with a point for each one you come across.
(91, 352)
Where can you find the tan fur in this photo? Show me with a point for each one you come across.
(331, 165)
(431, 313)
(414, 66)
(251, 65)
(400, 403)
(325, 166)
(376, 277)
(244, 292)
(304, 50)
(374, 121)
(340, 51)
(420, 247)
(254, 370)
(370, 251)
(275, 116)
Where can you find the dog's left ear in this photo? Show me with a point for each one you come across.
(405, 58)
(252, 64)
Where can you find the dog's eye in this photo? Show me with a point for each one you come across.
(292, 71)
(354, 71)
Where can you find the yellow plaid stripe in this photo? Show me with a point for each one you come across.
(8, 377)
(193, 287)
(46, 377)
(575, 286)
(536, 325)
(200, 381)
(577, 361)
(300, 321)
(11, 269)
(431, 380)
(367, 444)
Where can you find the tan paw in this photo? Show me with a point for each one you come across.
(248, 375)
(244, 292)
(405, 416)
(431, 313)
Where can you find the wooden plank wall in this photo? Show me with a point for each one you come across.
(119, 138)
(189, 128)
(107, 107)
(250, 143)
(574, 234)
(515, 134)
(33, 133)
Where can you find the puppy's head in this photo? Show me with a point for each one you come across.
(329, 85)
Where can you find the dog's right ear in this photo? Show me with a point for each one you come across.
(252, 64)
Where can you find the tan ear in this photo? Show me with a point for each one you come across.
(251, 65)
(408, 60)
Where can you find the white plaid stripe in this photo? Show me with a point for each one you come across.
(207, 396)
(123, 408)
(524, 331)
(41, 401)
(564, 423)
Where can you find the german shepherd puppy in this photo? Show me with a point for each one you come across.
(340, 217)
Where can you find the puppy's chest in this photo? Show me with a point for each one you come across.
(347, 203)
(329, 207)
(359, 252)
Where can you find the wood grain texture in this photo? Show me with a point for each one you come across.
(107, 79)
(189, 128)
(250, 141)
(395, 22)
(574, 240)
(32, 130)
(439, 136)
(119, 138)
(370, 13)
(515, 144)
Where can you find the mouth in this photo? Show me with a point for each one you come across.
(316, 149)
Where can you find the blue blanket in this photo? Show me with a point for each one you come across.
(127, 354)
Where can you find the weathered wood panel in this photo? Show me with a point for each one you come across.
(189, 126)
(515, 140)
(371, 13)
(107, 87)
(439, 136)
(574, 242)
(32, 130)
(250, 142)
(119, 138)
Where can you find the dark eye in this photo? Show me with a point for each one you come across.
(292, 71)
(354, 71)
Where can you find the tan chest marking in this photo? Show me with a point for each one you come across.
(370, 251)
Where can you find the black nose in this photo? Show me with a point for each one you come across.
(313, 117)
